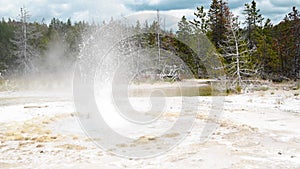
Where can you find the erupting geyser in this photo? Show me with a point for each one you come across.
(122, 90)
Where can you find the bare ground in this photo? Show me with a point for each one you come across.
(259, 130)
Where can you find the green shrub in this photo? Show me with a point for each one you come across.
(238, 89)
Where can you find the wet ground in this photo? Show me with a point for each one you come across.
(255, 130)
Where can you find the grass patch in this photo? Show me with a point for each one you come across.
(261, 88)
(238, 89)
(205, 91)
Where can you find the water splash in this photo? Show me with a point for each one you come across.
(116, 59)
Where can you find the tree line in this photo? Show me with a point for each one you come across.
(24, 45)
(253, 48)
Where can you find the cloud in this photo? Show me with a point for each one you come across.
(285, 3)
(237, 3)
(88, 10)
(81, 15)
(58, 9)
(99, 10)
(162, 4)
(274, 11)
(168, 19)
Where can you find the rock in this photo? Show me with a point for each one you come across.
(35, 107)
(39, 146)
(151, 138)
(53, 137)
(145, 139)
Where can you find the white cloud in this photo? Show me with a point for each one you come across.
(37, 1)
(189, 13)
(153, 2)
(168, 19)
(285, 3)
(9, 9)
(98, 10)
(273, 9)
(59, 9)
(275, 12)
(81, 15)
(239, 12)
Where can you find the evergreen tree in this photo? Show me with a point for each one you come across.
(253, 21)
(294, 30)
(146, 26)
(184, 30)
(287, 44)
(268, 58)
(7, 59)
(138, 27)
(201, 22)
(218, 17)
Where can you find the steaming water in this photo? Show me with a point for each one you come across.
(121, 96)
(116, 108)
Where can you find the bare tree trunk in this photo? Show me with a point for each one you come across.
(25, 52)
(158, 30)
(237, 55)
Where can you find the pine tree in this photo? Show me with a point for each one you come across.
(294, 17)
(185, 37)
(184, 30)
(200, 24)
(218, 18)
(253, 21)
(137, 27)
(268, 58)
(288, 44)
(146, 26)
(7, 60)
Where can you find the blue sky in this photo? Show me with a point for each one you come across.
(99, 10)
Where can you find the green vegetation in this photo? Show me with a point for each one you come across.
(264, 50)
(256, 49)
(205, 91)
(261, 88)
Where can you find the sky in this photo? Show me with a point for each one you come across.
(99, 10)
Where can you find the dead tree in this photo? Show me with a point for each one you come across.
(25, 52)
(237, 56)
